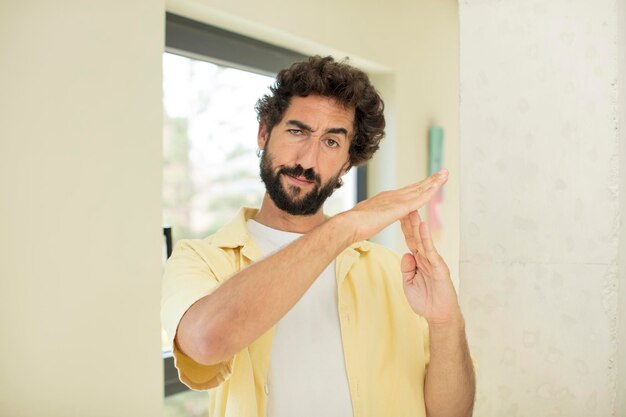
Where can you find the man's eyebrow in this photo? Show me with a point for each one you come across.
(304, 126)
(299, 124)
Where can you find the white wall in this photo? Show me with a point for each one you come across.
(542, 179)
(80, 239)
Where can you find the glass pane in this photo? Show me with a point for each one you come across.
(210, 166)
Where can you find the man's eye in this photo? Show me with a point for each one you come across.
(332, 143)
(295, 132)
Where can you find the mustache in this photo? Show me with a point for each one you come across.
(297, 171)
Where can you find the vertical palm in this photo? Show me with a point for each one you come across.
(426, 277)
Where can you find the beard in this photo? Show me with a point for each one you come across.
(292, 202)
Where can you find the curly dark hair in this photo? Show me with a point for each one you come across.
(345, 84)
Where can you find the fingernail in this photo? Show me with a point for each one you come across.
(443, 173)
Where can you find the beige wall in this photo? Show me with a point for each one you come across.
(80, 116)
(541, 129)
(80, 166)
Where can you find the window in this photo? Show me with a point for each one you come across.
(210, 167)
(211, 82)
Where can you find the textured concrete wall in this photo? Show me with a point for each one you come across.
(540, 187)
(621, 79)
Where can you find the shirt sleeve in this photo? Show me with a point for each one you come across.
(189, 275)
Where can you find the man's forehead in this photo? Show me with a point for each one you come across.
(316, 110)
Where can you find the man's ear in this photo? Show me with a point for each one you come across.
(262, 136)
(346, 167)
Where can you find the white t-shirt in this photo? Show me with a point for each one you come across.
(307, 375)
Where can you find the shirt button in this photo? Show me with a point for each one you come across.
(267, 389)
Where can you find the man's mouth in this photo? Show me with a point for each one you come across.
(300, 180)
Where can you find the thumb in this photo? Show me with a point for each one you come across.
(408, 265)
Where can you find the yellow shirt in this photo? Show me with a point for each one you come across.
(385, 343)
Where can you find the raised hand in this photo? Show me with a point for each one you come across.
(426, 277)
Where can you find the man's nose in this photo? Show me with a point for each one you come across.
(308, 153)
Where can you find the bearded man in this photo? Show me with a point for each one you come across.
(285, 312)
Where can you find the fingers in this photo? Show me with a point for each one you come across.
(412, 241)
(415, 221)
(426, 253)
(412, 272)
(420, 193)
(374, 214)
(413, 236)
(434, 181)
(441, 176)
(417, 218)
(408, 265)
(429, 248)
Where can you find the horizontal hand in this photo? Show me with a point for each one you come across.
(371, 216)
